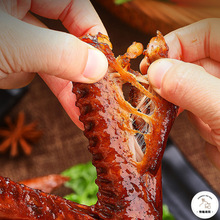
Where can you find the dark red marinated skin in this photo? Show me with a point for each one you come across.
(18, 201)
(129, 182)
(46, 183)
(127, 189)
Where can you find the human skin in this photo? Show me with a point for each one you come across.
(193, 83)
(27, 47)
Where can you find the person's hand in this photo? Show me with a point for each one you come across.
(27, 47)
(193, 83)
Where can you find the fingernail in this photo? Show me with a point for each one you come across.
(96, 66)
(157, 71)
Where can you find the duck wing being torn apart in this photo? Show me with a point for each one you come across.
(127, 133)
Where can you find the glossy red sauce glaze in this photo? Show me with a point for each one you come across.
(126, 138)
(128, 189)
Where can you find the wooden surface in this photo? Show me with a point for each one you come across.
(149, 16)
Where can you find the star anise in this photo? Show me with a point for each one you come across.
(18, 134)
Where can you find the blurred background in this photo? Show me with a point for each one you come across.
(63, 145)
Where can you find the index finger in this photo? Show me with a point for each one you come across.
(196, 41)
(78, 16)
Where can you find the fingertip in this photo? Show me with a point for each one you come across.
(96, 66)
(144, 66)
(157, 71)
(73, 59)
(175, 48)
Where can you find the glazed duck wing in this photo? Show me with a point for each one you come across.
(127, 136)
(18, 201)
(127, 133)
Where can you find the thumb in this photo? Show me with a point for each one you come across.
(188, 86)
(27, 48)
